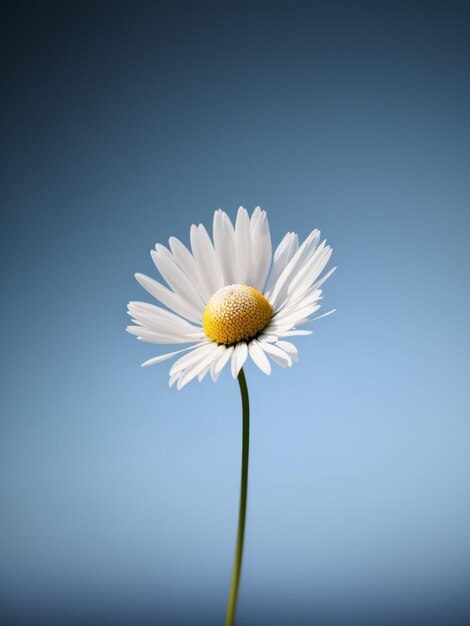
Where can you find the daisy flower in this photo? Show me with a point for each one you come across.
(229, 298)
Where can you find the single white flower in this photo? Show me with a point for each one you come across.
(227, 300)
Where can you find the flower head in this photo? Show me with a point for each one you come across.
(236, 313)
(227, 300)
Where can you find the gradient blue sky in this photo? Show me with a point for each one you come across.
(122, 124)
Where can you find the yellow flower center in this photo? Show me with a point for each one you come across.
(236, 313)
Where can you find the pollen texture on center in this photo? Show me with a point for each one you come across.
(236, 313)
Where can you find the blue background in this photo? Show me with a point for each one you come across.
(124, 123)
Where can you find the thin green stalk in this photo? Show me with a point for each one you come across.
(237, 565)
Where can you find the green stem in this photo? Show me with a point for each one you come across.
(237, 565)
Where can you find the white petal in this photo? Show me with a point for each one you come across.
(323, 315)
(295, 333)
(284, 253)
(254, 218)
(195, 369)
(193, 357)
(188, 264)
(182, 337)
(294, 318)
(202, 374)
(243, 247)
(220, 362)
(303, 254)
(320, 282)
(215, 356)
(289, 347)
(177, 280)
(277, 355)
(150, 336)
(261, 251)
(267, 337)
(204, 253)
(172, 380)
(169, 336)
(224, 245)
(259, 357)
(160, 248)
(299, 300)
(169, 298)
(309, 273)
(238, 358)
(155, 321)
(164, 357)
